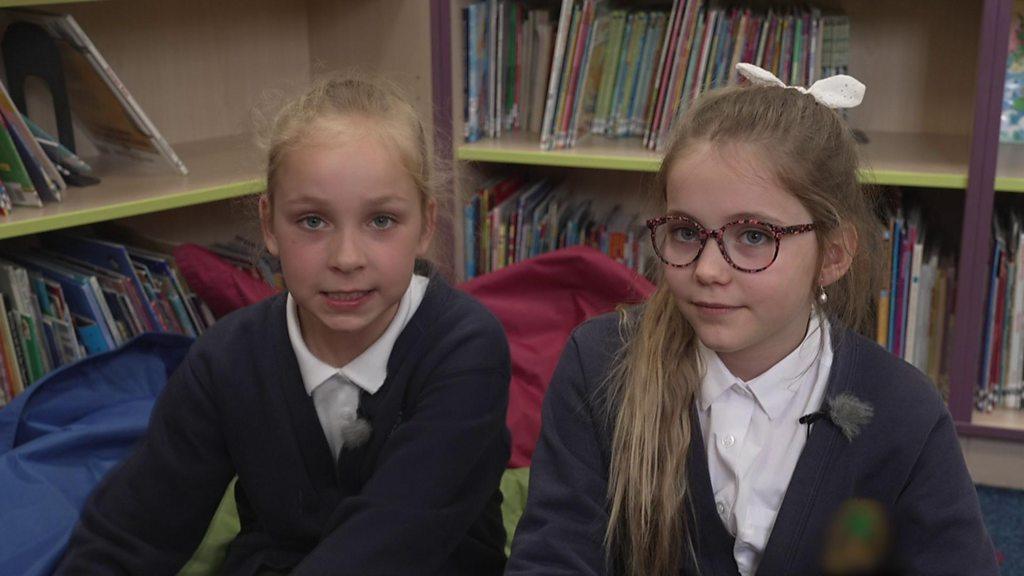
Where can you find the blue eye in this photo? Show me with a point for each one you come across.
(754, 237)
(312, 222)
(685, 233)
(382, 222)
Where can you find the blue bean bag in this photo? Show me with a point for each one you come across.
(59, 437)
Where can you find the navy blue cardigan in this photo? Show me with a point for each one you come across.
(420, 497)
(907, 458)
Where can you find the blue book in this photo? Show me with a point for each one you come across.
(110, 256)
(79, 292)
(468, 260)
(897, 242)
(91, 335)
(473, 72)
(159, 267)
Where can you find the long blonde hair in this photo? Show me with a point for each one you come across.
(652, 387)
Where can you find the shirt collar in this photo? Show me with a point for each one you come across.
(774, 388)
(368, 370)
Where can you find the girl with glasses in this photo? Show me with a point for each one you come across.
(737, 422)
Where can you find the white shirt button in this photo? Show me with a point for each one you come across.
(721, 508)
(728, 441)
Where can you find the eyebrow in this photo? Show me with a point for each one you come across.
(307, 200)
(733, 217)
(390, 199)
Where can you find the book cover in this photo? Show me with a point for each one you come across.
(12, 369)
(542, 54)
(19, 185)
(45, 179)
(609, 74)
(565, 16)
(666, 59)
(99, 99)
(1011, 120)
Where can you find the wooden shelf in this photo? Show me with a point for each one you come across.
(1010, 168)
(590, 152)
(1000, 424)
(30, 3)
(922, 160)
(1000, 418)
(219, 168)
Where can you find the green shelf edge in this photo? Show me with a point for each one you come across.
(131, 208)
(602, 162)
(1009, 184)
(560, 159)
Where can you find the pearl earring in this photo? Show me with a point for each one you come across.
(822, 297)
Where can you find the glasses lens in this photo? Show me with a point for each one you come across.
(750, 246)
(677, 241)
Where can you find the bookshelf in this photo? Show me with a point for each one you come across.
(934, 72)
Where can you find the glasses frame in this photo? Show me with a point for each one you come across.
(778, 232)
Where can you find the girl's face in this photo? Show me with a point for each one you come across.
(347, 225)
(752, 320)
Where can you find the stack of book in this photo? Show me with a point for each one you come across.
(916, 302)
(627, 73)
(76, 296)
(32, 165)
(1001, 382)
(510, 220)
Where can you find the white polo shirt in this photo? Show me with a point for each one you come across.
(335, 391)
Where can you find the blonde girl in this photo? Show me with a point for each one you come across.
(362, 410)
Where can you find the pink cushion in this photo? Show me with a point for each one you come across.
(539, 301)
(220, 284)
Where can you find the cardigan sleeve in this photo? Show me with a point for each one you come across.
(939, 528)
(562, 529)
(150, 513)
(434, 477)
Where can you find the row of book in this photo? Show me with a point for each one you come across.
(512, 219)
(75, 296)
(626, 73)
(916, 303)
(1002, 377)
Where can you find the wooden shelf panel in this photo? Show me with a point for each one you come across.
(32, 3)
(923, 160)
(1000, 418)
(590, 152)
(218, 168)
(1010, 168)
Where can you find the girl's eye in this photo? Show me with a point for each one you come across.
(312, 222)
(382, 222)
(685, 233)
(754, 237)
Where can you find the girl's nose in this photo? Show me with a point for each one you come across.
(712, 267)
(346, 251)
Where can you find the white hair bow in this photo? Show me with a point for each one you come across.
(839, 91)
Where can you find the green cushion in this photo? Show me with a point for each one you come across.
(224, 526)
(214, 547)
(514, 485)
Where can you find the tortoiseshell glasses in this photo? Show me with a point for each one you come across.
(748, 245)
